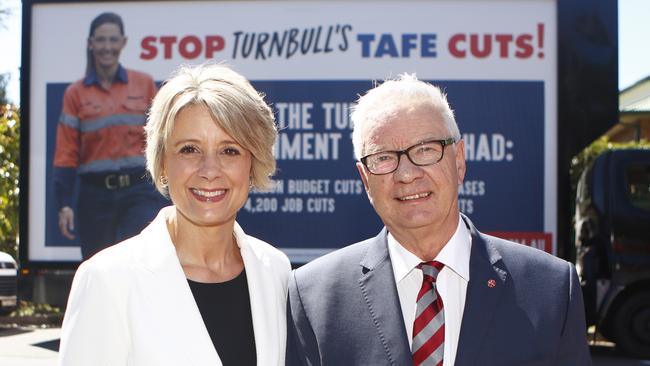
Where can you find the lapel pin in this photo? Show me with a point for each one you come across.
(491, 283)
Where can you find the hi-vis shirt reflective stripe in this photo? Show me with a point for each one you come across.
(103, 130)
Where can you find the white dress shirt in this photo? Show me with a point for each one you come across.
(451, 284)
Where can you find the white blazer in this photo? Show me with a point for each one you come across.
(130, 304)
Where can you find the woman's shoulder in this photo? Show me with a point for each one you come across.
(113, 259)
(268, 250)
(264, 251)
(138, 75)
(77, 86)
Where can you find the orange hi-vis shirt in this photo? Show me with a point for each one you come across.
(102, 130)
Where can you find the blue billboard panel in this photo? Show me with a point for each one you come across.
(318, 202)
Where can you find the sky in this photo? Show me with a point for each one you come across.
(633, 35)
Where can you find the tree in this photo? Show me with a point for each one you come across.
(9, 163)
(591, 152)
(4, 81)
(9, 174)
(4, 78)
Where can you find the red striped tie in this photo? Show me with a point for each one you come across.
(429, 325)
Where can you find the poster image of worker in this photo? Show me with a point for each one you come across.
(98, 159)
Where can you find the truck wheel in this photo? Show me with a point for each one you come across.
(631, 325)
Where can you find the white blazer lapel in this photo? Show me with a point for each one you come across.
(170, 298)
(267, 302)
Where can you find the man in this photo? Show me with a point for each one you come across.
(429, 289)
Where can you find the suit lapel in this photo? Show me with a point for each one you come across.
(378, 287)
(484, 290)
(266, 303)
(164, 287)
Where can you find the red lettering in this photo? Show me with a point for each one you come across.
(213, 44)
(168, 42)
(540, 39)
(524, 46)
(481, 45)
(475, 48)
(503, 40)
(188, 47)
(190, 52)
(149, 50)
(453, 45)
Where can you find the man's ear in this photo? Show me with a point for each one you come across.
(460, 160)
(364, 175)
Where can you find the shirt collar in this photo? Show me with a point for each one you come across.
(454, 255)
(121, 76)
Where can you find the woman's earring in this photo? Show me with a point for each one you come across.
(163, 180)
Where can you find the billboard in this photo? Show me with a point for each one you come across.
(496, 60)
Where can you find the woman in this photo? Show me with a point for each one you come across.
(100, 138)
(192, 288)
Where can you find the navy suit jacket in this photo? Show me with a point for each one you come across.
(343, 309)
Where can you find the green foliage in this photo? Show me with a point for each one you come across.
(29, 314)
(9, 175)
(591, 152)
(27, 308)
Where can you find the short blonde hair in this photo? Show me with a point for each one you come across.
(405, 89)
(234, 105)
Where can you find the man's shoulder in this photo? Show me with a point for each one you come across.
(523, 261)
(515, 256)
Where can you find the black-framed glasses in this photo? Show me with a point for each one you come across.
(420, 154)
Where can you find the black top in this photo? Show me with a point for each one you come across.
(226, 311)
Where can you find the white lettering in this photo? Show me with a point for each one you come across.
(337, 115)
(295, 116)
(308, 146)
(472, 188)
(485, 147)
(320, 204)
(308, 186)
(348, 186)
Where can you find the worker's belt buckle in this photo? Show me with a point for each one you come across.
(117, 181)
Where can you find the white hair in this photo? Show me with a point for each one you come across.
(405, 89)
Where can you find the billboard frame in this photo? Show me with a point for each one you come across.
(587, 102)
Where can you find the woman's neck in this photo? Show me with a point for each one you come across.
(106, 76)
(207, 254)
